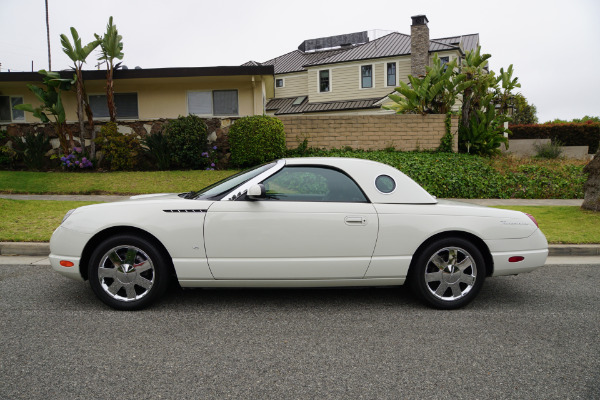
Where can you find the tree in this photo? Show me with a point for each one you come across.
(472, 66)
(523, 113)
(111, 45)
(591, 199)
(435, 93)
(78, 54)
(51, 105)
(485, 99)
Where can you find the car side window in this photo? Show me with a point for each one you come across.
(316, 184)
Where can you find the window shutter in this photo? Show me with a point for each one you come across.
(98, 105)
(225, 102)
(5, 109)
(127, 105)
(200, 103)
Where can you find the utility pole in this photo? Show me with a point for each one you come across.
(48, 34)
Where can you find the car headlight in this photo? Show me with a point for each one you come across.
(67, 215)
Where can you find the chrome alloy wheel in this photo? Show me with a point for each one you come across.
(450, 273)
(126, 273)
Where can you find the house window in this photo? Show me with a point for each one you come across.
(126, 103)
(200, 103)
(279, 82)
(7, 112)
(391, 74)
(444, 61)
(299, 100)
(225, 102)
(217, 102)
(324, 85)
(366, 76)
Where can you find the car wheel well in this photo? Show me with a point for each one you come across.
(480, 244)
(120, 230)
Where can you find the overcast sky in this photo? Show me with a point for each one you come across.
(552, 44)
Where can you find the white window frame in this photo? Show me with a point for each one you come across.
(386, 73)
(12, 116)
(282, 83)
(360, 86)
(118, 118)
(319, 80)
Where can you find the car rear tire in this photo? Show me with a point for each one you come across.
(127, 272)
(448, 273)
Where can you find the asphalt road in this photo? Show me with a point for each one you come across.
(535, 336)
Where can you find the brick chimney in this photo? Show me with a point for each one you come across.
(419, 45)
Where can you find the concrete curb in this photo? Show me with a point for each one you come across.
(43, 249)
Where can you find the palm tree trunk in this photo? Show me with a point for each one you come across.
(110, 94)
(79, 88)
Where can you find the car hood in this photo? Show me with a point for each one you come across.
(155, 196)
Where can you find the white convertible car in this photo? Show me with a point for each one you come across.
(301, 222)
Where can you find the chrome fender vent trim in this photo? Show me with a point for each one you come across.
(184, 210)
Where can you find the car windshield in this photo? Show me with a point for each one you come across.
(217, 190)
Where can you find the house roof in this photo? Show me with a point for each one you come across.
(295, 60)
(147, 73)
(393, 44)
(396, 44)
(283, 106)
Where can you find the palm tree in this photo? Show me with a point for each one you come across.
(78, 54)
(112, 47)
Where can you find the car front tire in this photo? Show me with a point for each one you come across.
(448, 273)
(127, 272)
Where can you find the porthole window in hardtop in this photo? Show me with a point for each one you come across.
(385, 184)
(318, 184)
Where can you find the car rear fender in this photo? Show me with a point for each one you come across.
(478, 242)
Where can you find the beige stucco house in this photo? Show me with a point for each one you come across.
(146, 94)
(353, 74)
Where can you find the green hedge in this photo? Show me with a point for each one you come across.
(450, 175)
(255, 140)
(569, 134)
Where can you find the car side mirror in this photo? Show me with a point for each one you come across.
(256, 192)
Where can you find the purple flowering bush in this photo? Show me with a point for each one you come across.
(211, 156)
(76, 160)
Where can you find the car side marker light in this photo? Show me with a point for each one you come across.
(516, 259)
(66, 263)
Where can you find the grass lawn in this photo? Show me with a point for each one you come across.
(565, 224)
(32, 221)
(35, 220)
(124, 183)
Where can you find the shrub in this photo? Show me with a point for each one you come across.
(157, 147)
(32, 150)
(76, 160)
(187, 139)
(569, 134)
(548, 150)
(256, 140)
(120, 151)
(451, 175)
(7, 155)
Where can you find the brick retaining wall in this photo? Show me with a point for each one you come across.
(369, 132)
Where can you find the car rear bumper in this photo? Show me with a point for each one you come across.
(517, 256)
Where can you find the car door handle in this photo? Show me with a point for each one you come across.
(355, 220)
